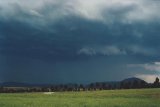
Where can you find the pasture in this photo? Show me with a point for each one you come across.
(108, 98)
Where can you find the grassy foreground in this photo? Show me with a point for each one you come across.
(110, 98)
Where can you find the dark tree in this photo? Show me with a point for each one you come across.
(81, 87)
(104, 86)
(65, 87)
(75, 87)
(156, 83)
(98, 85)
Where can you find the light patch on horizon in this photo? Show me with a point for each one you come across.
(147, 77)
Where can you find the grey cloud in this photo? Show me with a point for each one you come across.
(106, 50)
(155, 66)
(58, 38)
(44, 12)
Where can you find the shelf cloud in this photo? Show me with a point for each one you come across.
(59, 40)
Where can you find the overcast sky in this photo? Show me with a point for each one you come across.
(82, 41)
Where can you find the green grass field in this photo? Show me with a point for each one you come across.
(110, 98)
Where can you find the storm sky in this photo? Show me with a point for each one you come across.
(79, 41)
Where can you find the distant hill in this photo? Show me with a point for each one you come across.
(133, 79)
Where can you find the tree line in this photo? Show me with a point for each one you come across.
(135, 84)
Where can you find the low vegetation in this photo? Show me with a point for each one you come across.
(106, 98)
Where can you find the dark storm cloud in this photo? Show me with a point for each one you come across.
(57, 39)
